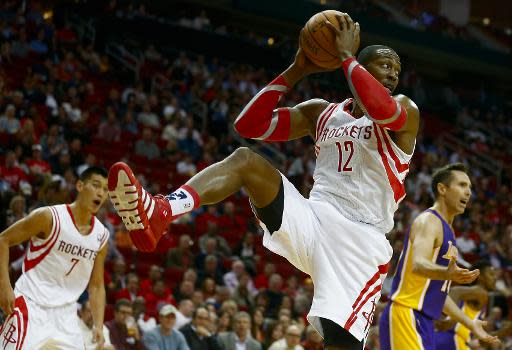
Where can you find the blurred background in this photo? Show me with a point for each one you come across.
(158, 84)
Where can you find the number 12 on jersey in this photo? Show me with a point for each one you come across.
(345, 151)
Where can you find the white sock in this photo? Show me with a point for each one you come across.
(183, 200)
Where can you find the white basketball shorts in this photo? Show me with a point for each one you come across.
(346, 260)
(33, 327)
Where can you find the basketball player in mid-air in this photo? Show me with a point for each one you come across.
(337, 236)
(426, 269)
(66, 252)
(472, 300)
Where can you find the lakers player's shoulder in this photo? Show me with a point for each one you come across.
(427, 224)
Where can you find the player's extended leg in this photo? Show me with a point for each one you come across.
(147, 217)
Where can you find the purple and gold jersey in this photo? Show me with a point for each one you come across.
(421, 293)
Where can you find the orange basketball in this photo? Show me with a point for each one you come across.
(318, 40)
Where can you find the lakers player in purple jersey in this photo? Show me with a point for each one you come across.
(337, 235)
(472, 300)
(426, 269)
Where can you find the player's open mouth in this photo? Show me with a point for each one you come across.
(464, 201)
(96, 201)
(389, 88)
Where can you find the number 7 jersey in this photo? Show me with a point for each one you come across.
(56, 270)
(359, 169)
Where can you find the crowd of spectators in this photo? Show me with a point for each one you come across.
(62, 109)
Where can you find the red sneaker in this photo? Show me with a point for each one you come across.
(147, 218)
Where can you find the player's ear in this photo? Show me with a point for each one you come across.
(441, 188)
(79, 185)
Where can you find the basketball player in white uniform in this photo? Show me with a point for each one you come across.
(66, 251)
(337, 236)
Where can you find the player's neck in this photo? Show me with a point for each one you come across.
(81, 214)
(445, 213)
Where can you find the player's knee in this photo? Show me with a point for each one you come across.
(243, 157)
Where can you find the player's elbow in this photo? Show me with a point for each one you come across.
(417, 267)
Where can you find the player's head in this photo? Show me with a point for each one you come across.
(92, 188)
(487, 277)
(451, 185)
(383, 63)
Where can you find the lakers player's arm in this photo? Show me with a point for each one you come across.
(97, 291)
(426, 236)
(475, 295)
(37, 223)
(476, 326)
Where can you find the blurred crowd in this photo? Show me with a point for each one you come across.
(63, 109)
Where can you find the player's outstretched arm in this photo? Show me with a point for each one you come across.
(262, 120)
(97, 295)
(476, 326)
(472, 294)
(37, 223)
(426, 236)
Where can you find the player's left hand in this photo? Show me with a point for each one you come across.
(97, 338)
(479, 331)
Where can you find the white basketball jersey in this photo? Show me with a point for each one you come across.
(57, 270)
(359, 169)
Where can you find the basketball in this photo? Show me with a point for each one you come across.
(318, 41)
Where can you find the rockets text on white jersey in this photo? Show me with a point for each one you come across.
(359, 169)
(57, 270)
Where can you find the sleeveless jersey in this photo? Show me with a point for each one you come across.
(57, 270)
(421, 293)
(359, 169)
(461, 330)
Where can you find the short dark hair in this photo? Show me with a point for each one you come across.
(123, 302)
(481, 265)
(444, 175)
(93, 170)
(369, 52)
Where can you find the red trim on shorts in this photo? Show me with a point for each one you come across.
(356, 307)
(22, 306)
(35, 248)
(396, 185)
(74, 222)
(323, 119)
(195, 196)
(29, 264)
(401, 167)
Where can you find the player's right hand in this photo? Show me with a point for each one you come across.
(7, 299)
(347, 36)
(303, 63)
(459, 275)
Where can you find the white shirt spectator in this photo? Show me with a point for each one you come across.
(87, 334)
(281, 345)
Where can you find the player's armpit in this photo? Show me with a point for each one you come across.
(38, 223)
(303, 118)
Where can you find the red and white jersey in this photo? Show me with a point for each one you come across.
(57, 270)
(359, 169)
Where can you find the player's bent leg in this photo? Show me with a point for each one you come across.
(337, 338)
(147, 217)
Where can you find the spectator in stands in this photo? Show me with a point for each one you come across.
(130, 124)
(184, 314)
(146, 147)
(244, 292)
(117, 279)
(90, 160)
(132, 288)
(17, 210)
(240, 338)
(275, 332)
(165, 336)
(8, 122)
(38, 45)
(220, 246)
(198, 334)
(37, 165)
(110, 129)
(11, 172)
(124, 332)
(86, 323)
(211, 269)
(261, 281)
(246, 251)
(181, 256)
(144, 321)
(147, 118)
(185, 290)
(232, 278)
(291, 340)
(20, 47)
(231, 222)
(154, 274)
(274, 294)
(257, 330)
(158, 295)
(313, 339)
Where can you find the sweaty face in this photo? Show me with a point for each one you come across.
(385, 66)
